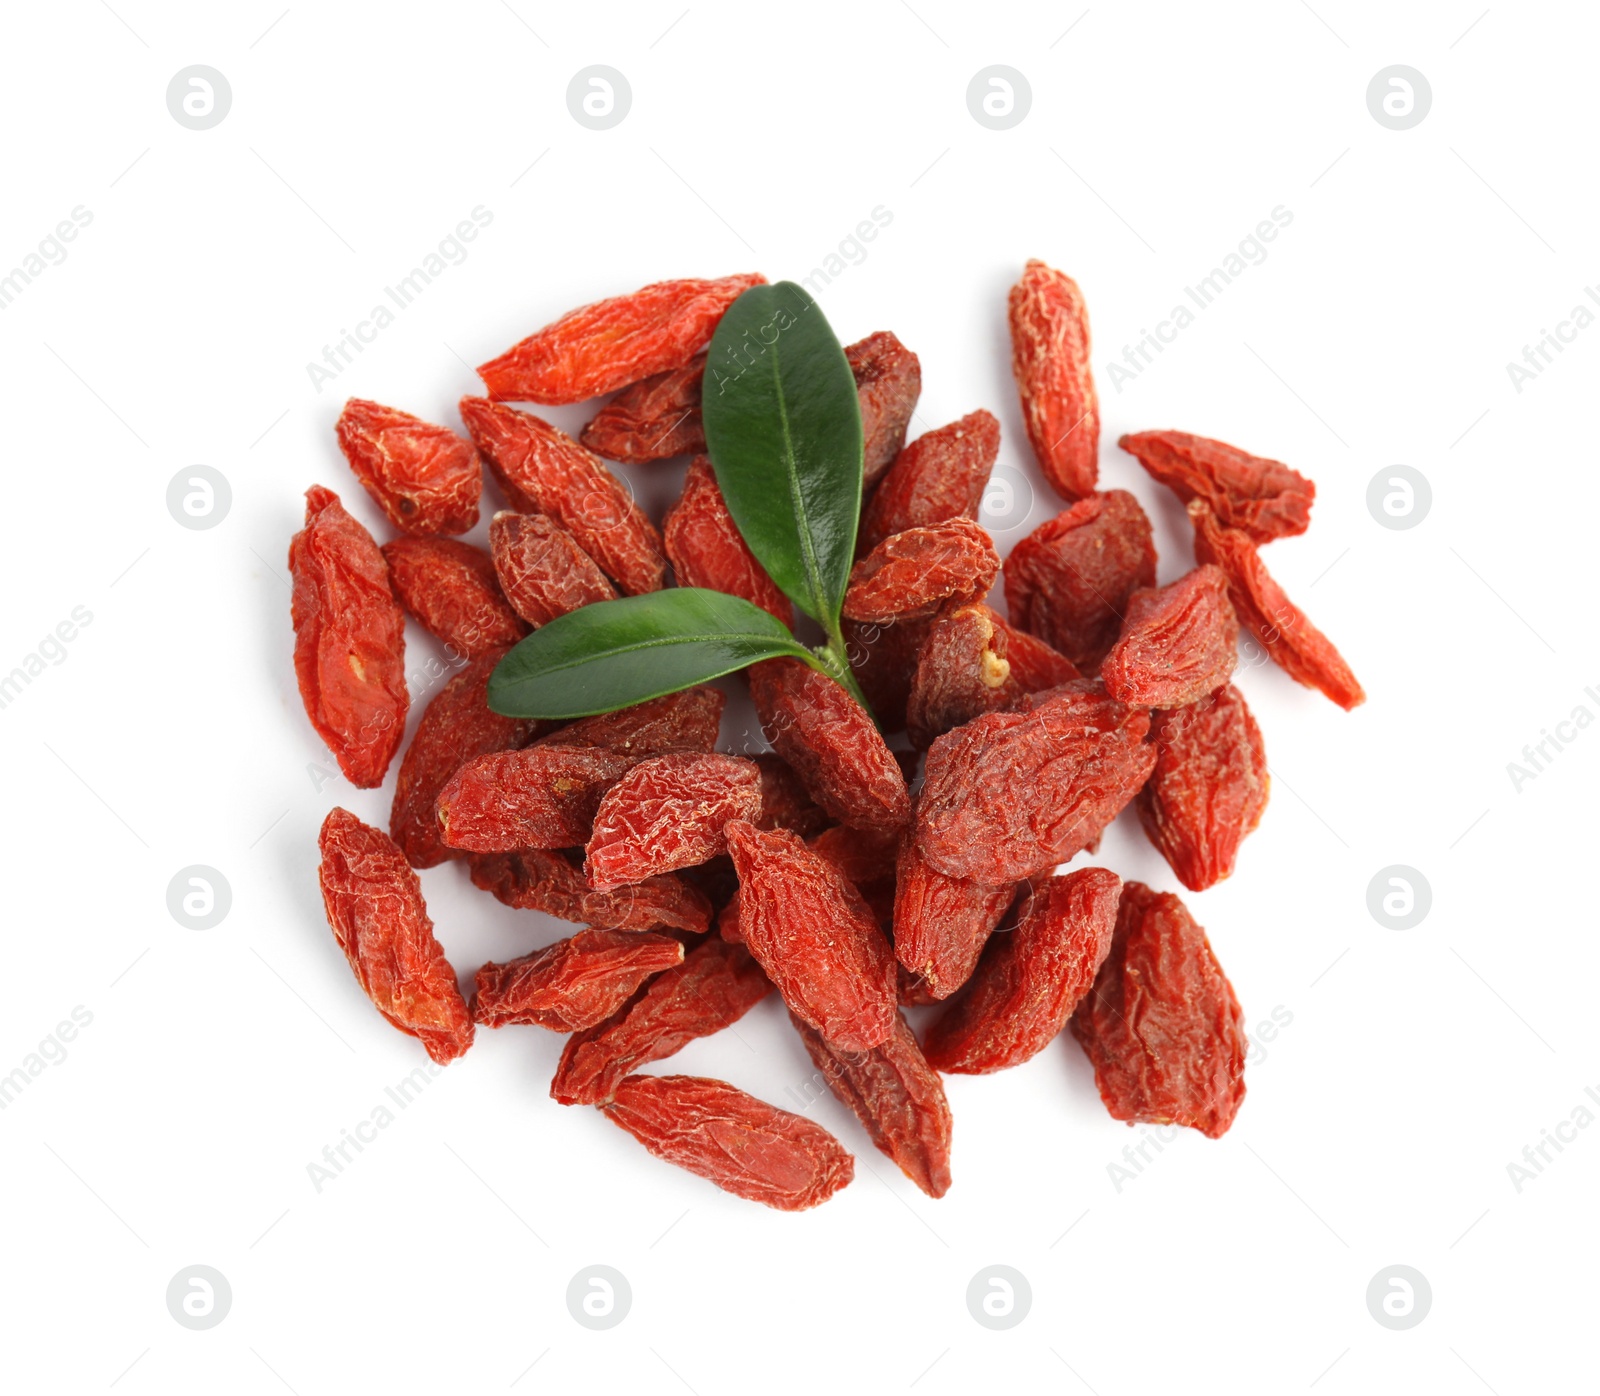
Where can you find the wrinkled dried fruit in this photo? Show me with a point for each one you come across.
(686, 721)
(540, 797)
(814, 936)
(1050, 361)
(864, 858)
(941, 475)
(883, 658)
(611, 343)
(942, 923)
(784, 802)
(455, 727)
(1035, 666)
(909, 574)
(706, 548)
(542, 570)
(449, 588)
(714, 987)
(374, 905)
(1302, 651)
(651, 420)
(1068, 582)
(888, 383)
(349, 640)
(1161, 1025)
(1208, 788)
(1015, 791)
(832, 744)
(743, 1145)
(1262, 498)
(552, 881)
(426, 479)
(544, 471)
(897, 1096)
(669, 813)
(1028, 982)
(573, 984)
(1179, 642)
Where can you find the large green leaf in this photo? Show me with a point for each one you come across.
(783, 429)
(613, 654)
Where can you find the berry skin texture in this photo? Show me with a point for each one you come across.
(426, 479)
(1264, 499)
(552, 881)
(941, 475)
(601, 347)
(455, 727)
(814, 936)
(1161, 1026)
(714, 987)
(1178, 643)
(1068, 582)
(349, 640)
(942, 923)
(685, 721)
(573, 984)
(706, 548)
(540, 797)
(1016, 791)
(1050, 361)
(374, 905)
(888, 383)
(897, 1096)
(651, 420)
(831, 743)
(1302, 651)
(541, 568)
(1209, 786)
(743, 1145)
(669, 813)
(908, 574)
(884, 658)
(450, 589)
(544, 471)
(1027, 983)
(784, 802)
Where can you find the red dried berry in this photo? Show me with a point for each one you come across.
(941, 475)
(573, 984)
(883, 658)
(1035, 666)
(426, 479)
(449, 588)
(1050, 361)
(784, 802)
(542, 570)
(909, 574)
(1161, 1026)
(1179, 642)
(374, 905)
(540, 797)
(685, 721)
(651, 420)
(707, 550)
(552, 881)
(888, 383)
(349, 640)
(942, 923)
(864, 858)
(1262, 498)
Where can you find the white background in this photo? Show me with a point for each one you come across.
(1418, 1064)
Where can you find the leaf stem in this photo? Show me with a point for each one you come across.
(835, 657)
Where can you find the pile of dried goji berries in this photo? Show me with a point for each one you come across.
(821, 869)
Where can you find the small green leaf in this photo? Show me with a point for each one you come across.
(613, 654)
(783, 429)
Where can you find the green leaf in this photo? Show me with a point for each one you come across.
(783, 429)
(612, 654)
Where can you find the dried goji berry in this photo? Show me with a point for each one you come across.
(1209, 786)
(714, 987)
(865, 857)
(914, 991)
(706, 548)
(552, 881)
(652, 419)
(449, 588)
(669, 813)
(684, 721)
(1050, 361)
(455, 727)
(941, 475)
(426, 479)
(574, 983)
(1035, 666)
(942, 923)
(784, 802)
(542, 570)
(743, 1145)
(1262, 498)
(539, 797)
(611, 343)
(909, 574)
(1302, 651)
(1178, 643)
(1015, 791)
(897, 1096)
(831, 743)
(883, 658)
(374, 905)
(811, 932)
(1028, 982)
(1068, 582)
(1161, 1025)
(544, 471)
(349, 640)
(888, 383)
